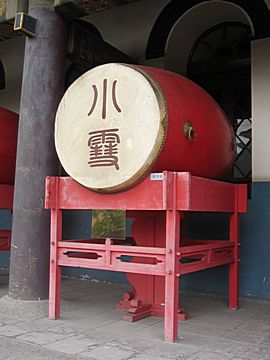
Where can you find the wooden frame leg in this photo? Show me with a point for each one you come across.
(55, 269)
(171, 278)
(234, 267)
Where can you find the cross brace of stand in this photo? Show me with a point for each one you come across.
(174, 194)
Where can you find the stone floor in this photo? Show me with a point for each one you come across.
(90, 329)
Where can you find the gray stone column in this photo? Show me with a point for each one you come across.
(42, 89)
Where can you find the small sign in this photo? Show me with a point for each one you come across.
(25, 23)
(156, 176)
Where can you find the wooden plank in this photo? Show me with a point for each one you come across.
(200, 194)
(193, 194)
(5, 240)
(6, 196)
(197, 266)
(172, 263)
(127, 267)
(70, 9)
(127, 250)
(55, 270)
(209, 245)
(242, 198)
(74, 196)
(234, 267)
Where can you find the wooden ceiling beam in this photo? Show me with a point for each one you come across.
(67, 8)
(78, 8)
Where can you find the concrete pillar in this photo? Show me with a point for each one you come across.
(260, 66)
(42, 89)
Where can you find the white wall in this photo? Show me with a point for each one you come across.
(128, 27)
(12, 55)
(267, 3)
(260, 53)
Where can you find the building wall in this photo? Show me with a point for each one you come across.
(260, 51)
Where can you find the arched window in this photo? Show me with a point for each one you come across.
(220, 62)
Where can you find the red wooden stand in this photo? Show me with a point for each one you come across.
(152, 262)
(6, 203)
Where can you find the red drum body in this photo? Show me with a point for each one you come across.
(200, 138)
(8, 145)
(118, 122)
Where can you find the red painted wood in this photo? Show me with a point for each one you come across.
(121, 267)
(6, 196)
(8, 144)
(202, 245)
(203, 265)
(5, 240)
(6, 203)
(155, 265)
(128, 250)
(200, 194)
(147, 288)
(241, 200)
(74, 196)
(55, 269)
(234, 266)
(212, 153)
(172, 264)
(193, 194)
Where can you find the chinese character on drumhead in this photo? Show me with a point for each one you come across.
(104, 148)
(104, 98)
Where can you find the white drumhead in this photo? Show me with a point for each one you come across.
(110, 127)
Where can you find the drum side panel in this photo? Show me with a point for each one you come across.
(8, 145)
(212, 152)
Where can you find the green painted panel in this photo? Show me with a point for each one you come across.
(109, 224)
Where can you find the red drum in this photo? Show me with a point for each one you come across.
(200, 138)
(118, 122)
(8, 145)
